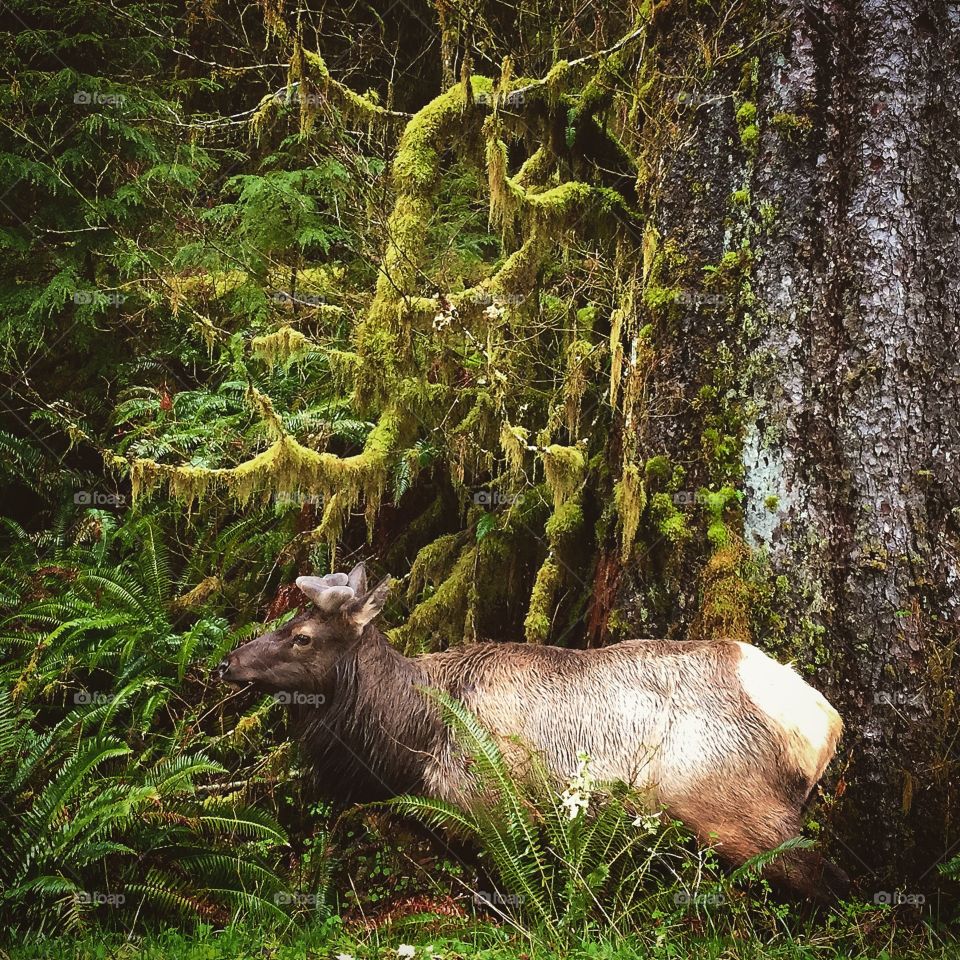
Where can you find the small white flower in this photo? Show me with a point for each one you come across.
(573, 803)
(647, 821)
(405, 950)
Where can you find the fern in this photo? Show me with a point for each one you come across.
(602, 869)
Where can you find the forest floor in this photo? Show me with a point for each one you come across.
(436, 938)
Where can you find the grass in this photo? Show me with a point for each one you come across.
(849, 934)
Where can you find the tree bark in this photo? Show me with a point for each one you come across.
(850, 377)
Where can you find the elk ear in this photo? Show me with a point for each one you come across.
(365, 608)
(357, 578)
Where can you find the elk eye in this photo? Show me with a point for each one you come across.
(301, 640)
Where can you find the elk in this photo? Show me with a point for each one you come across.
(719, 735)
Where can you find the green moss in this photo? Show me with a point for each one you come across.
(658, 470)
(283, 347)
(793, 126)
(354, 105)
(439, 620)
(565, 522)
(727, 595)
(433, 563)
(749, 137)
(416, 167)
(668, 520)
(747, 113)
(564, 469)
(772, 503)
(740, 198)
(582, 360)
(630, 496)
(288, 466)
(539, 617)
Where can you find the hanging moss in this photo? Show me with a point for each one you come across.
(630, 497)
(284, 467)
(564, 469)
(439, 620)
(581, 359)
(433, 563)
(283, 347)
(506, 196)
(336, 514)
(537, 623)
(621, 323)
(514, 441)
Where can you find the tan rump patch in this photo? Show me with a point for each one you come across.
(810, 726)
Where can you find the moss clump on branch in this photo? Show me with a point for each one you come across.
(284, 467)
(353, 105)
(433, 563)
(564, 523)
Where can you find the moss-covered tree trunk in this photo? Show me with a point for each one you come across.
(833, 176)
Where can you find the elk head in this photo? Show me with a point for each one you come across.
(302, 656)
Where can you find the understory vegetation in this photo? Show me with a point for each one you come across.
(287, 288)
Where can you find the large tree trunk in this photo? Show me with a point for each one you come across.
(851, 386)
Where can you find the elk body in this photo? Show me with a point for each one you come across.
(723, 737)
